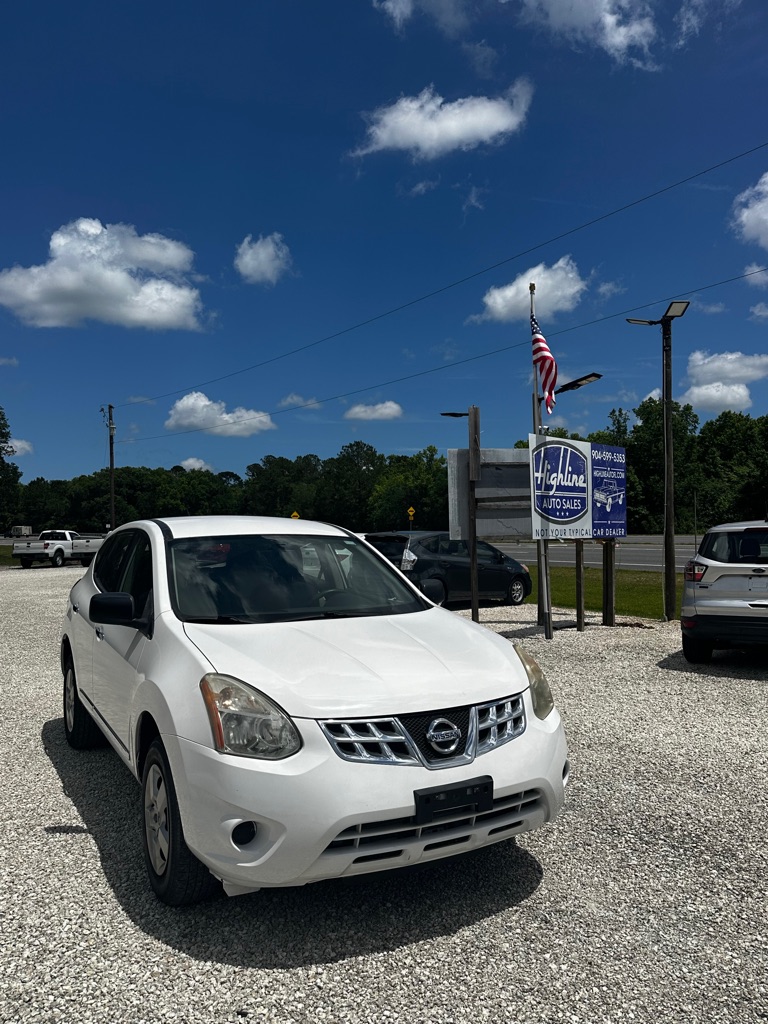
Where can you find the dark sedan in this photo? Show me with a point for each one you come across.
(432, 555)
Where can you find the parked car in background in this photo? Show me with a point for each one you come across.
(725, 590)
(295, 709)
(19, 531)
(57, 547)
(432, 555)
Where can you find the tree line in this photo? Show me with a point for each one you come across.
(721, 475)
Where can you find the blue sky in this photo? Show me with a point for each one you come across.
(274, 228)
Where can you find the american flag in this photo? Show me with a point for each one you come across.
(544, 361)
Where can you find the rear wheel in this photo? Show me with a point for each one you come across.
(26, 563)
(175, 874)
(697, 652)
(79, 728)
(516, 592)
(58, 559)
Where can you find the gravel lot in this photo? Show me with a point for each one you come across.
(645, 901)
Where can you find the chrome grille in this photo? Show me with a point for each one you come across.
(381, 740)
(402, 739)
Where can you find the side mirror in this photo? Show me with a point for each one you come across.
(433, 589)
(115, 610)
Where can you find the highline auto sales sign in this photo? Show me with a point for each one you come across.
(578, 489)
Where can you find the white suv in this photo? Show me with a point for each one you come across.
(725, 593)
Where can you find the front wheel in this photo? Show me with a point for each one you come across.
(516, 592)
(80, 729)
(175, 874)
(58, 559)
(697, 652)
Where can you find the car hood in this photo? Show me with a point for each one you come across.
(378, 665)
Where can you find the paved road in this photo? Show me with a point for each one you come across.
(644, 553)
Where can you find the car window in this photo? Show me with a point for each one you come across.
(431, 544)
(391, 547)
(111, 559)
(137, 578)
(736, 546)
(486, 554)
(283, 578)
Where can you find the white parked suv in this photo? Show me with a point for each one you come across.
(725, 590)
(296, 709)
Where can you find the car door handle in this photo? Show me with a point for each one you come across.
(99, 633)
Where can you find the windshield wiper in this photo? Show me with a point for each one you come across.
(216, 620)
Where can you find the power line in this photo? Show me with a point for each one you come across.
(463, 362)
(455, 284)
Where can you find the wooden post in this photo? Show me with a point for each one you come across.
(580, 586)
(609, 582)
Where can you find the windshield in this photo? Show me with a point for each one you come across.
(282, 578)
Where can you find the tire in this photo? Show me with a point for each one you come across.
(608, 505)
(26, 563)
(79, 728)
(85, 562)
(177, 877)
(443, 594)
(697, 652)
(516, 592)
(58, 559)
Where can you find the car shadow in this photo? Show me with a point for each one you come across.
(279, 928)
(750, 663)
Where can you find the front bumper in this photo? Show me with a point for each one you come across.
(317, 816)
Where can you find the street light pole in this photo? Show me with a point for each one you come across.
(473, 415)
(675, 309)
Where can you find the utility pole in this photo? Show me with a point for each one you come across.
(674, 310)
(474, 476)
(111, 424)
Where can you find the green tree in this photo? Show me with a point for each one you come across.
(418, 481)
(10, 475)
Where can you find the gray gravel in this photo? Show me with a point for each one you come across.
(646, 901)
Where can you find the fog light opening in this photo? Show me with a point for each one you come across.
(244, 833)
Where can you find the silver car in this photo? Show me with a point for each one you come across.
(725, 593)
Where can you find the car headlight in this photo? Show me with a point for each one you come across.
(541, 695)
(245, 722)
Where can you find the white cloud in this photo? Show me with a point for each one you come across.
(263, 261)
(717, 397)
(21, 447)
(622, 28)
(760, 311)
(750, 213)
(655, 395)
(693, 13)
(109, 274)
(9, 361)
(758, 275)
(427, 127)
(720, 381)
(196, 411)
(558, 289)
(382, 411)
(608, 289)
(398, 10)
(731, 367)
(450, 15)
(194, 463)
(709, 308)
(294, 400)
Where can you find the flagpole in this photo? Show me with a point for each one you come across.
(542, 546)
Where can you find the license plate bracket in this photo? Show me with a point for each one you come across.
(474, 794)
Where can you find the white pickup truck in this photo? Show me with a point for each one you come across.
(57, 547)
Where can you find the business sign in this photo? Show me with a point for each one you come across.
(609, 491)
(578, 489)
